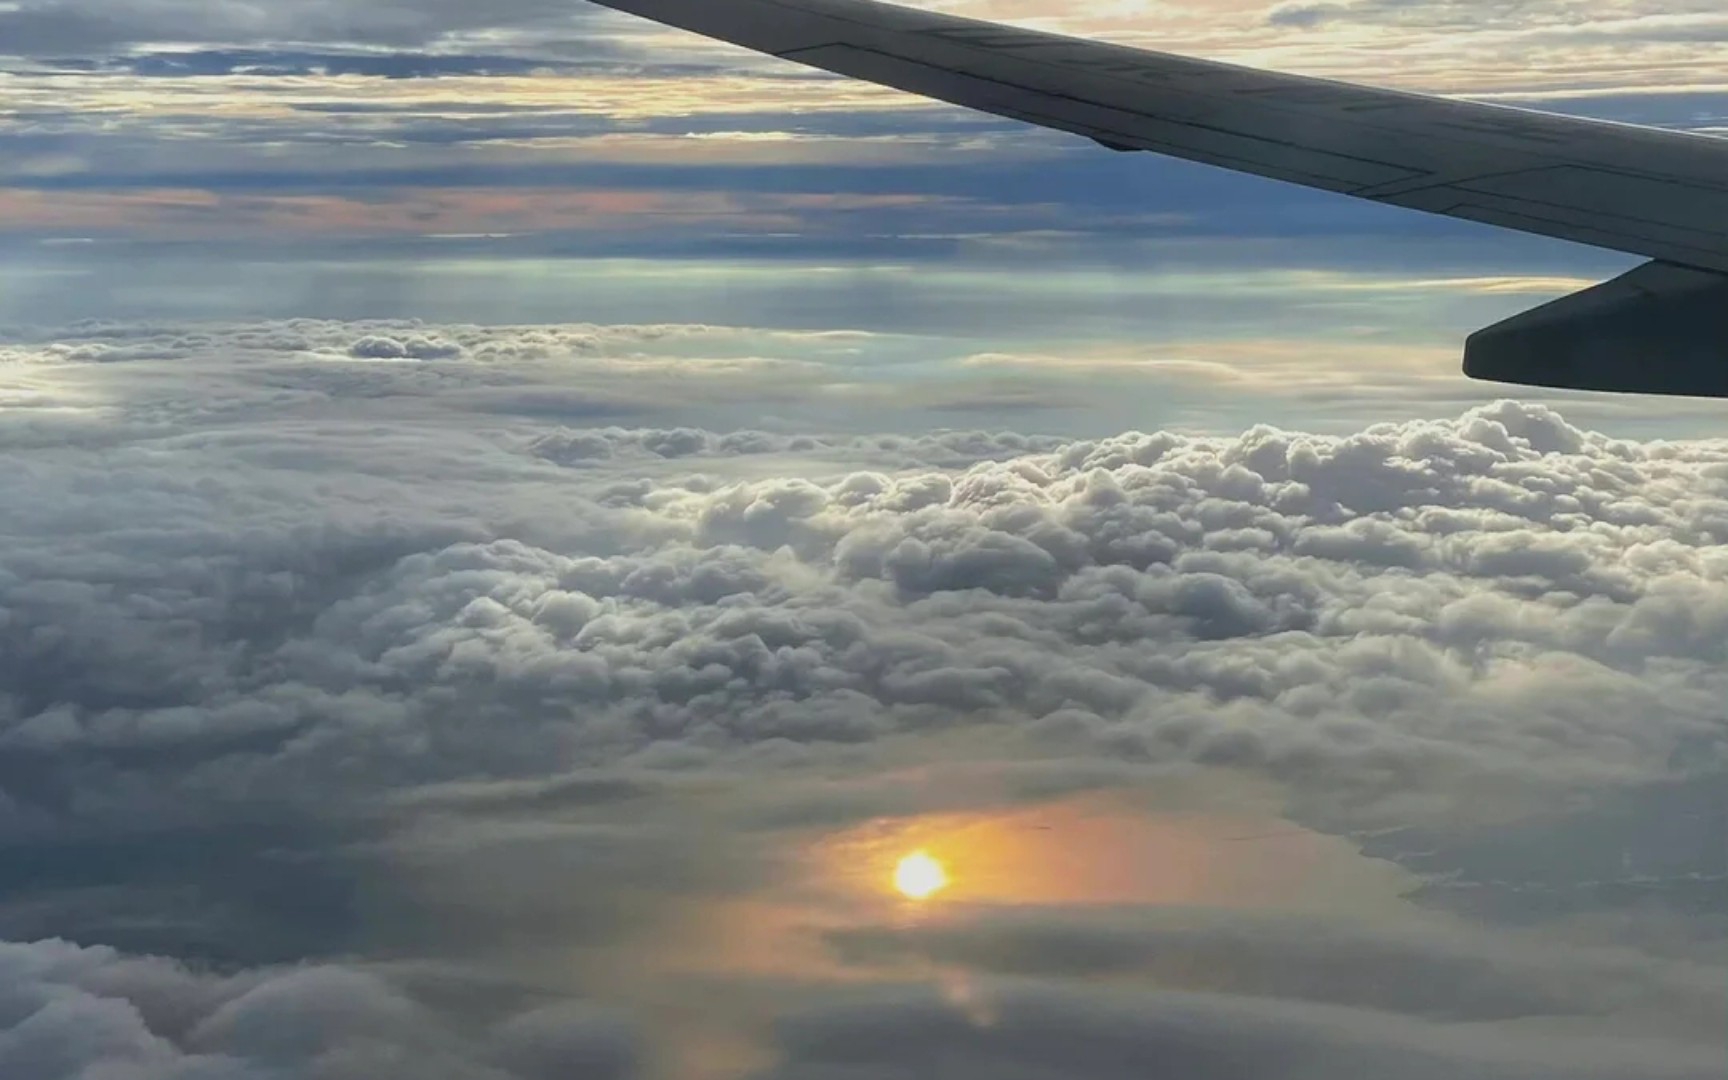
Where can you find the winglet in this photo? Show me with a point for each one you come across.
(1659, 329)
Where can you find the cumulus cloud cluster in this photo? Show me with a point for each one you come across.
(73, 1013)
(260, 665)
(1502, 596)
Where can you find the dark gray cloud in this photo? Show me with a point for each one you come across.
(1438, 972)
(61, 28)
(1030, 1033)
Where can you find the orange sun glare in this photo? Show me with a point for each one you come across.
(919, 876)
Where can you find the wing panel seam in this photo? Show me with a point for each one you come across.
(1414, 173)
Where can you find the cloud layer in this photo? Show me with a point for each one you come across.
(75, 1013)
(462, 737)
(385, 698)
(1361, 608)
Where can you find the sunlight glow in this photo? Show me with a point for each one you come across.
(919, 876)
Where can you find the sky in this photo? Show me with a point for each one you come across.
(516, 521)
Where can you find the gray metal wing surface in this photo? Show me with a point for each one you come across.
(1645, 191)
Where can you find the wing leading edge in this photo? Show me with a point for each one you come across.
(1650, 192)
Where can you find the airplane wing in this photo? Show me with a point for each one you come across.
(1663, 328)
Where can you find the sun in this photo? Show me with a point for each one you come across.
(919, 876)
